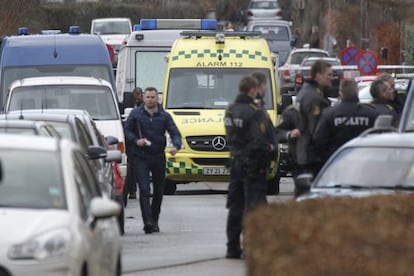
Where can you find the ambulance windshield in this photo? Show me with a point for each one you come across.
(209, 88)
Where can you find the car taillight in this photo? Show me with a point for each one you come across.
(121, 147)
(286, 74)
(249, 13)
(279, 13)
(299, 79)
(118, 180)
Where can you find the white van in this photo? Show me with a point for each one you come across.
(66, 92)
(141, 59)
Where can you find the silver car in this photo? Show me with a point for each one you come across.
(55, 218)
(268, 9)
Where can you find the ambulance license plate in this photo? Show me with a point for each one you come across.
(216, 171)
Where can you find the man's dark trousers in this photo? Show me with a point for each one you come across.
(145, 167)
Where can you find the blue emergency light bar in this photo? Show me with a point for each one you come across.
(191, 24)
(74, 30)
(22, 31)
(137, 27)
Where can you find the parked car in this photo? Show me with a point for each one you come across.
(94, 95)
(54, 215)
(27, 127)
(277, 34)
(288, 70)
(258, 9)
(86, 134)
(367, 165)
(113, 31)
(303, 73)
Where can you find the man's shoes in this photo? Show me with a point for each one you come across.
(234, 254)
(148, 228)
(155, 228)
(133, 196)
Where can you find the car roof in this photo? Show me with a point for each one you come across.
(330, 60)
(38, 115)
(295, 50)
(393, 139)
(28, 142)
(268, 21)
(5, 122)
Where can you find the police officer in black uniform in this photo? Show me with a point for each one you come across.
(250, 150)
(344, 121)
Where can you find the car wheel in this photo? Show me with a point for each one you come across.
(170, 187)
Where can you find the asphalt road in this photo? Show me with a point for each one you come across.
(192, 238)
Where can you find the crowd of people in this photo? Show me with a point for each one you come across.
(313, 128)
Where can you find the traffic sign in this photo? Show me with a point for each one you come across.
(367, 62)
(349, 55)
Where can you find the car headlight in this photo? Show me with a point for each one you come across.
(169, 141)
(54, 243)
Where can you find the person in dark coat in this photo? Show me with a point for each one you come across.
(382, 96)
(131, 186)
(399, 98)
(311, 100)
(145, 128)
(344, 121)
(250, 149)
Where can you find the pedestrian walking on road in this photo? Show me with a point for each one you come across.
(311, 100)
(250, 150)
(145, 128)
(399, 98)
(344, 121)
(130, 177)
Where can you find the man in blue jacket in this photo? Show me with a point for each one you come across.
(145, 128)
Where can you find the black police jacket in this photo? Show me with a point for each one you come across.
(246, 129)
(340, 124)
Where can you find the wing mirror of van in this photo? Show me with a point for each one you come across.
(303, 183)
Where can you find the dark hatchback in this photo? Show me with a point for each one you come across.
(303, 73)
(367, 165)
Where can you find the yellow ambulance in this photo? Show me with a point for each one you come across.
(203, 73)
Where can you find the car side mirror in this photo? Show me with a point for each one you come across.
(303, 183)
(96, 152)
(111, 140)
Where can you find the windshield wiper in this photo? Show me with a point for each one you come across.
(398, 187)
(346, 186)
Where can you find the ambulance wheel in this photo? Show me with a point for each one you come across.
(170, 187)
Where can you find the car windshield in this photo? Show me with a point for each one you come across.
(27, 183)
(153, 75)
(369, 167)
(269, 32)
(265, 5)
(209, 88)
(98, 101)
(16, 73)
(298, 57)
(111, 27)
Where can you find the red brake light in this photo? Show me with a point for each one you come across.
(279, 13)
(298, 79)
(249, 13)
